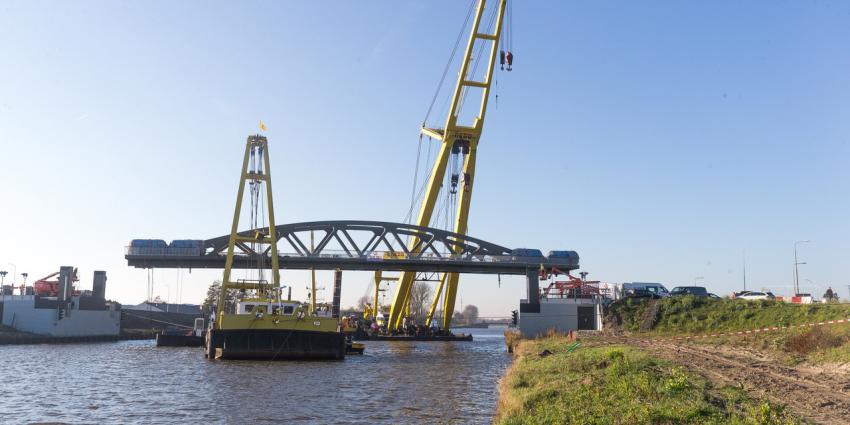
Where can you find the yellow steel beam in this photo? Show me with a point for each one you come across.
(270, 206)
(436, 300)
(432, 133)
(452, 132)
(461, 221)
(228, 264)
(254, 144)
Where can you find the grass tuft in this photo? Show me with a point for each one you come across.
(617, 385)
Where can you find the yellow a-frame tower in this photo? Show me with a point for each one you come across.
(457, 138)
(255, 170)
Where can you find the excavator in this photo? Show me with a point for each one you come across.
(50, 288)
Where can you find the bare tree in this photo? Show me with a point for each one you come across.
(457, 317)
(470, 314)
(420, 299)
(362, 302)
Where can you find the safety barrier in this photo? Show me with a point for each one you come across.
(752, 331)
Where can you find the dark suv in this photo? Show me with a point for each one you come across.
(697, 291)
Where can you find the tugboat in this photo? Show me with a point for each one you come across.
(261, 324)
(274, 329)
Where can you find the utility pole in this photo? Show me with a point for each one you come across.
(14, 272)
(745, 270)
(796, 269)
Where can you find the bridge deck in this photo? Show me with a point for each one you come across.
(353, 245)
(506, 266)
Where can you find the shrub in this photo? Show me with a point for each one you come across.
(816, 338)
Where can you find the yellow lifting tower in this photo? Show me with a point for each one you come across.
(260, 323)
(457, 139)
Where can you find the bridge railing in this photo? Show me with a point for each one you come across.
(340, 254)
(162, 251)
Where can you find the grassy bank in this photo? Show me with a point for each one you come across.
(698, 315)
(822, 345)
(617, 385)
(689, 315)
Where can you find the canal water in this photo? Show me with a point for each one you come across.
(134, 382)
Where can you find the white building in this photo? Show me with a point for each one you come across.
(66, 314)
(560, 315)
(44, 317)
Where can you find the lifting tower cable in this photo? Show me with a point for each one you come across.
(449, 62)
(455, 137)
(414, 195)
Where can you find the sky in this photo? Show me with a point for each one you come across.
(663, 141)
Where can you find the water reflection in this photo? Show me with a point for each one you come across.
(134, 382)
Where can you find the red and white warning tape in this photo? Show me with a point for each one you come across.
(753, 331)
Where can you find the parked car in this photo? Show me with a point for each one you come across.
(756, 295)
(698, 291)
(644, 290)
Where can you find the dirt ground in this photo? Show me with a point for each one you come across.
(815, 394)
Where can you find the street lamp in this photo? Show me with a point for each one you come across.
(14, 272)
(3, 276)
(796, 269)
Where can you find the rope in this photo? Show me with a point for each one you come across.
(155, 320)
(419, 196)
(449, 63)
(407, 218)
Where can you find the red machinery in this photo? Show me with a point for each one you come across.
(50, 288)
(574, 287)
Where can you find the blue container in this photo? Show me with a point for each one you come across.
(568, 257)
(148, 243)
(526, 252)
(187, 243)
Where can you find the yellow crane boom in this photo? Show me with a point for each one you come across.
(457, 137)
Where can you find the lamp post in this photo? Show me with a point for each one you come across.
(3, 276)
(811, 284)
(698, 278)
(14, 272)
(796, 269)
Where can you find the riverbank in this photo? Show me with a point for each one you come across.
(10, 336)
(617, 384)
(738, 362)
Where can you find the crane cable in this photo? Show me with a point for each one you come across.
(449, 62)
(414, 196)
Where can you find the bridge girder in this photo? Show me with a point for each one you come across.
(356, 245)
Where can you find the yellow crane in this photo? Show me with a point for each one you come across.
(458, 139)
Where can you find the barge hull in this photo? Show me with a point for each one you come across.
(274, 344)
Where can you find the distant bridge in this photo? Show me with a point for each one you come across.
(355, 245)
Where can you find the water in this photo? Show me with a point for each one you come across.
(135, 382)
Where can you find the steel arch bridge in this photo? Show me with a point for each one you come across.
(355, 245)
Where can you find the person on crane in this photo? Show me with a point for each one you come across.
(510, 59)
(502, 59)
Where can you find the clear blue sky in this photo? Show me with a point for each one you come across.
(660, 140)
